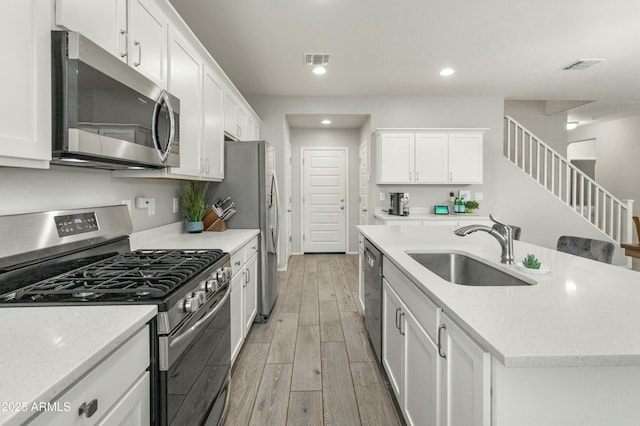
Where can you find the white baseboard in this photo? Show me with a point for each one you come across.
(352, 252)
(284, 269)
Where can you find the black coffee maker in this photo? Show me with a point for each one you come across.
(399, 201)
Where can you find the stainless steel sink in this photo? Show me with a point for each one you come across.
(461, 269)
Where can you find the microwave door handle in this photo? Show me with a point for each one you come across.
(163, 99)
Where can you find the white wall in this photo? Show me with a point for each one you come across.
(582, 150)
(551, 129)
(617, 155)
(28, 191)
(309, 138)
(501, 189)
(393, 111)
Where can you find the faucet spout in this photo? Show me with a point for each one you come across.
(500, 231)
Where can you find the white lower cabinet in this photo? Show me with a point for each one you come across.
(237, 321)
(116, 391)
(438, 374)
(466, 378)
(244, 293)
(250, 293)
(410, 359)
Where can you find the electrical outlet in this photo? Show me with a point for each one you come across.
(479, 196)
(176, 205)
(466, 195)
(146, 203)
(382, 196)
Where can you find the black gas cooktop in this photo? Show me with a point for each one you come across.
(137, 276)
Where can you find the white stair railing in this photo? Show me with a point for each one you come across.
(589, 199)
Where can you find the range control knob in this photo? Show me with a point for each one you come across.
(221, 275)
(227, 271)
(191, 304)
(201, 296)
(209, 285)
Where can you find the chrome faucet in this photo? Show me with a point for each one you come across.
(500, 231)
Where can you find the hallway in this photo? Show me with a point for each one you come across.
(311, 364)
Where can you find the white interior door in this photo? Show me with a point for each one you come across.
(324, 200)
(364, 183)
(288, 201)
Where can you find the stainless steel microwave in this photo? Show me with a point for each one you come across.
(106, 114)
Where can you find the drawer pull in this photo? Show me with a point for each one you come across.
(397, 326)
(88, 409)
(237, 263)
(253, 248)
(400, 328)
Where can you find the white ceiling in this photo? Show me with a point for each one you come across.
(511, 49)
(338, 121)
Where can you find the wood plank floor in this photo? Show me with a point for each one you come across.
(311, 364)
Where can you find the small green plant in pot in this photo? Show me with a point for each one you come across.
(470, 206)
(193, 200)
(531, 262)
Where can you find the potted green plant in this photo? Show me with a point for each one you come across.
(192, 200)
(470, 206)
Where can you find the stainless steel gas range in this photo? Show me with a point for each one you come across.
(83, 257)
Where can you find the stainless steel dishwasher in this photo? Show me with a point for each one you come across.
(372, 272)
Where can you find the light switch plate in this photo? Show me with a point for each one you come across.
(382, 196)
(466, 195)
(479, 196)
(176, 205)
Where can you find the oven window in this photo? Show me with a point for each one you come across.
(196, 381)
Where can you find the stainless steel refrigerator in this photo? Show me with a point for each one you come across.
(250, 181)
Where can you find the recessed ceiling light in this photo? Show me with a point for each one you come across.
(326, 122)
(447, 72)
(572, 125)
(319, 70)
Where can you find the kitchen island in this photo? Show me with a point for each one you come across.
(563, 351)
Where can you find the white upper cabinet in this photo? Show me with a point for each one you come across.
(213, 137)
(465, 157)
(147, 49)
(239, 123)
(102, 21)
(395, 157)
(185, 82)
(135, 31)
(429, 156)
(25, 118)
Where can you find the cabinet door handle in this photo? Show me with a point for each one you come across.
(244, 274)
(88, 409)
(125, 53)
(417, 176)
(237, 263)
(440, 351)
(400, 328)
(137, 43)
(410, 174)
(246, 277)
(207, 163)
(450, 176)
(397, 326)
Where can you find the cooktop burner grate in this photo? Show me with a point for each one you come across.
(133, 276)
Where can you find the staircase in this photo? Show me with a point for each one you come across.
(593, 203)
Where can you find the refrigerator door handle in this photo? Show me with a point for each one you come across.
(275, 203)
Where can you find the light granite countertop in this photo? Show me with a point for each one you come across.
(421, 213)
(582, 313)
(46, 350)
(173, 236)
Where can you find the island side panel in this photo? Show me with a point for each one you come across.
(562, 396)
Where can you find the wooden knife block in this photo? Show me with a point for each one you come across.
(212, 222)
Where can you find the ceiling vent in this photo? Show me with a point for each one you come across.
(581, 64)
(316, 59)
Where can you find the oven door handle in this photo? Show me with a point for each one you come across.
(167, 343)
